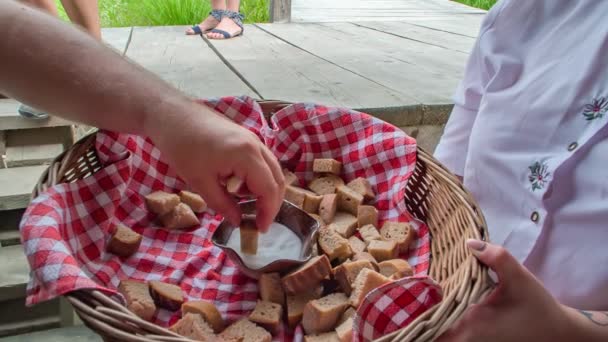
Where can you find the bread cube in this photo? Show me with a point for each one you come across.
(356, 245)
(319, 220)
(366, 281)
(271, 289)
(322, 315)
(246, 330)
(307, 276)
(349, 313)
(383, 250)
(369, 233)
(296, 304)
(344, 224)
(139, 301)
(124, 242)
(348, 199)
(161, 203)
(180, 217)
(312, 202)
(334, 245)
(328, 207)
(367, 214)
(166, 295)
(325, 185)
(295, 196)
(208, 311)
(368, 257)
(194, 327)
(345, 330)
(362, 187)
(290, 177)
(267, 315)
(346, 273)
(396, 267)
(401, 232)
(249, 236)
(194, 201)
(327, 166)
(326, 337)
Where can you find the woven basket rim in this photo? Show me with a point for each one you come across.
(110, 319)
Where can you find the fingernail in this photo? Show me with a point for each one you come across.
(476, 245)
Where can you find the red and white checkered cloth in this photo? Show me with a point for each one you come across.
(65, 229)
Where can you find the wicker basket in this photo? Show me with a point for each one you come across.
(433, 195)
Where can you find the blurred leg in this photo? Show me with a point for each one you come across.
(84, 13)
(45, 5)
(226, 24)
(233, 5)
(210, 22)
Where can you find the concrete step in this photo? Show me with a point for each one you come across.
(10, 118)
(71, 334)
(15, 273)
(9, 238)
(16, 185)
(9, 227)
(28, 326)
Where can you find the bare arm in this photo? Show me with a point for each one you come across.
(66, 72)
(589, 325)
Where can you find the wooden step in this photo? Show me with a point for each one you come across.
(70, 334)
(17, 156)
(10, 238)
(10, 118)
(16, 185)
(29, 326)
(9, 219)
(15, 273)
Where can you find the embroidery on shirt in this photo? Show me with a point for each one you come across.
(595, 109)
(539, 175)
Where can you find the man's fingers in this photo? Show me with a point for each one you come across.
(510, 272)
(274, 166)
(261, 183)
(218, 199)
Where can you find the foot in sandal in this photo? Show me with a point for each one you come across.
(230, 26)
(214, 18)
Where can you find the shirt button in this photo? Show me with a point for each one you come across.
(534, 217)
(572, 146)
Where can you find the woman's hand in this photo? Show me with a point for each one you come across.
(518, 309)
(206, 148)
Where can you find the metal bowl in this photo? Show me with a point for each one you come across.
(292, 217)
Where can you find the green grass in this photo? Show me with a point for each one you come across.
(483, 4)
(119, 13)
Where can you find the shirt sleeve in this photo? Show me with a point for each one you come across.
(454, 144)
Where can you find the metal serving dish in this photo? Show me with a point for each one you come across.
(292, 217)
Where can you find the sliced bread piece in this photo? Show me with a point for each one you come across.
(290, 177)
(208, 311)
(271, 289)
(161, 203)
(322, 315)
(267, 315)
(383, 250)
(296, 304)
(396, 267)
(325, 185)
(328, 207)
(124, 242)
(345, 330)
(247, 331)
(166, 295)
(326, 337)
(194, 201)
(195, 327)
(334, 245)
(249, 236)
(356, 244)
(366, 281)
(369, 233)
(346, 273)
(362, 187)
(345, 224)
(180, 217)
(366, 256)
(348, 199)
(312, 202)
(327, 165)
(367, 214)
(307, 276)
(139, 301)
(401, 232)
(349, 313)
(295, 196)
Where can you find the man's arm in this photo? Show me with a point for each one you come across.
(590, 325)
(65, 72)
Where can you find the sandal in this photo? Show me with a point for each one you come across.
(217, 14)
(32, 113)
(237, 18)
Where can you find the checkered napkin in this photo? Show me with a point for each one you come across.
(65, 229)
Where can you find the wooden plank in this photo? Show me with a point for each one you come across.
(116, 37)
(10, 118)
(362, 10)
(280, 11)
(14, 267)
(9, 238)
(427, 73)
(281, 71)
(466, 25)
(186, 62)
(16, 185)
(71, 334)
(422, 34)
(2, 149)
(32, 155)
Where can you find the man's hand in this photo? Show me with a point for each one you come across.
(518, 309)
(206, 148)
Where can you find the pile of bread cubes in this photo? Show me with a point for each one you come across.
(352, 257)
